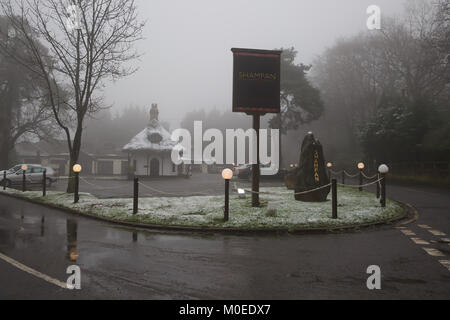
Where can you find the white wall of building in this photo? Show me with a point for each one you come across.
(143, 161)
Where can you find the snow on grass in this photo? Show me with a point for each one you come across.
(355, 208)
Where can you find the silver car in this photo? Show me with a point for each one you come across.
(33, 175)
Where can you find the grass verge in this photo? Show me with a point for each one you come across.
(355, 209)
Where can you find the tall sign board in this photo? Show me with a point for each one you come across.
(256, 91)
(256, 81)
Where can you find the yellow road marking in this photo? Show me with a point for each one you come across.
(408, 232)
(434, 252)
(436, 232)
(419, 241)
(445, 263)
(33, 272)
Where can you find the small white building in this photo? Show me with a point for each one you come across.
(149, 152)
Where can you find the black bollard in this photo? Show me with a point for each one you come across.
(24, 184)
(334, 197)
(383, 190)
(360, 180)
(4, 180)
(135, 195)
(44, 183)
(227, 200)
(77, 181)
(378, 188)
(343, 176)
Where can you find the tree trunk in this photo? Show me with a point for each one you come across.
(74, 157)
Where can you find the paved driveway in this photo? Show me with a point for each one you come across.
(198, 184)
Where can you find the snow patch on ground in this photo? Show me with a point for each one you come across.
(354, 208)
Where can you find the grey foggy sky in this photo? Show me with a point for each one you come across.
(187, 62)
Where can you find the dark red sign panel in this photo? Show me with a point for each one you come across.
(256, 81)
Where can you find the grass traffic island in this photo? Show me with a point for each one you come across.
(355, 209)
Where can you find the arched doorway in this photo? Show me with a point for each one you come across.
(154, 168)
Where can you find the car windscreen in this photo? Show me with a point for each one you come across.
(15, 168)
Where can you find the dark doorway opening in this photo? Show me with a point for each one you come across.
(154, 168)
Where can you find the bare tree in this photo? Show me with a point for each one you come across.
(89, 42)
(390, 83)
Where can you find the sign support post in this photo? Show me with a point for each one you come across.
(255, 167)
(256, 91)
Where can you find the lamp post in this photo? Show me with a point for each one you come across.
(227, 174)
(329, 166)
(76, 169)
(361, 167)
(24, 170)
(383, 170)
(44, 183)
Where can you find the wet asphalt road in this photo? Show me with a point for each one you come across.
(122, 263)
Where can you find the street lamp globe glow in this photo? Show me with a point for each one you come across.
(77, 168)
(383, 169)
(361, 166)
(24, 167)
(329, 165)
(227, 174)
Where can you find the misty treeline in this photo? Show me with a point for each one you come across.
(386, 92)
(380, 96)
(24, 108)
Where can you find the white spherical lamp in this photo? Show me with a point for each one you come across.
(361, 166)
(77, 168)
(227, 174)
(329, 165)
(24, 167)
(383, 169)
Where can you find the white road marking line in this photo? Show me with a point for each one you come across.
(419, 241)
(424, 226)
(445, 263)
(445, 240)
(408, 232)
(436, 232)
(33, 272)
(434, 252)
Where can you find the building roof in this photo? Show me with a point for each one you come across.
(153, 138)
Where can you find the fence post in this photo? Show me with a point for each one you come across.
(24, 184)
(343, 176)
(360, 180)
(227, 200)
(383, 190)
(77, 186)
(44, 183)
(135, 195)
(378, 187)
(334, 197)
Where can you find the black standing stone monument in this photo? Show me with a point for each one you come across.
(311, 172)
